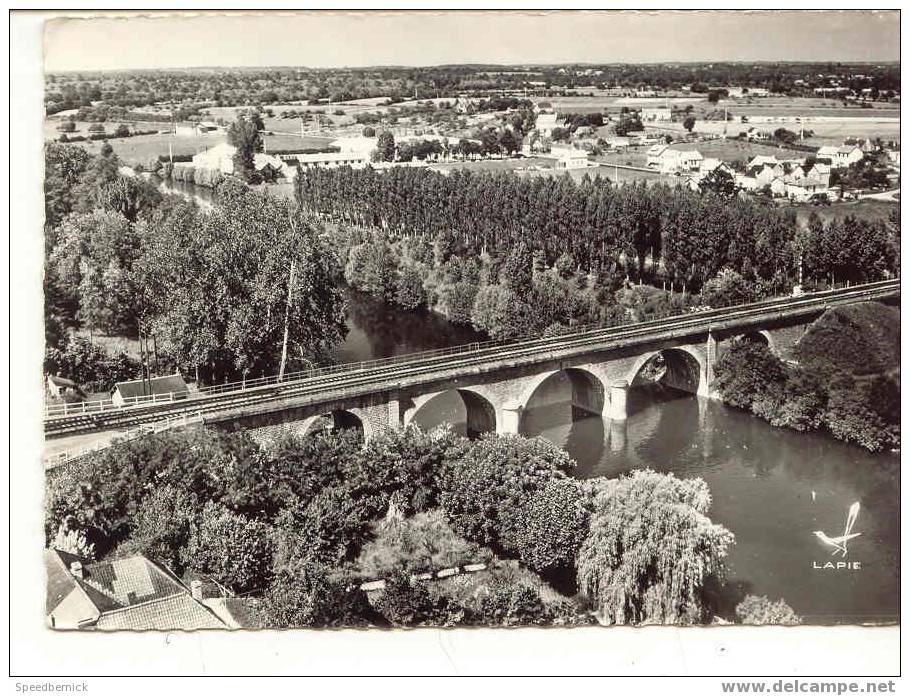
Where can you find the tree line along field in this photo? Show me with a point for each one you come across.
(139, 150)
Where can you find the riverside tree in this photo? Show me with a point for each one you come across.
(650, 549)
(244, 135)
(231, 280)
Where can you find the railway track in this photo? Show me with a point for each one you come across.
(346, 381)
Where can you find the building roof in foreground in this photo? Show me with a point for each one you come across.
(126, 593)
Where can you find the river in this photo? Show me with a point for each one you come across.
(772, 487)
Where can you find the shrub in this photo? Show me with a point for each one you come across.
(328, 529)
(745, 372)
(507, 600)
(407, 462)
(407, 602)
(421, 543)
(849, 417)
(230, 548)
(73, 541)
(728, 288)
(308, 594)
(554, 522)
(485, 490)
(161, 526)
(650, 549)
(759, 611)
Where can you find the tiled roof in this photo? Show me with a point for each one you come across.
(156, 385)
(179, 612)
(125, 593)
(128, 581)
(62, 381)
(59, 580)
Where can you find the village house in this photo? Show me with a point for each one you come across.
(618, 142)
(840, 157)
(762, 160)
(710, 164)
(167, 387)
(546, 122)
(894, 157)
(655, 152)
(670, 161)
(131, 593)
(803, 182)
(755, 134)
(328, 159)
(569, 158)
(60, 386)
(221, 158)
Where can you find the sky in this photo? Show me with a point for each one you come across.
(354, 39)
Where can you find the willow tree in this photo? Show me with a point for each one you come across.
(650, 549)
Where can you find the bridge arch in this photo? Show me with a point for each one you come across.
(760, 336)
(340, 419)
(681, 367)
(479, 413)
(587, 390)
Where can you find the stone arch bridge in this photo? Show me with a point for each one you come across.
(496, 381)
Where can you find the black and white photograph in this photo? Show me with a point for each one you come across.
(375, 320)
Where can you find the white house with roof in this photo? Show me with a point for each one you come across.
(671, 161)
(329, 160)
(655, 154)
(841, 157)
(618, 142)
(569, 158)
(189, 130)
(804, 182)
(762, 160)
(221, 158)
(546, 122)
(358, 145)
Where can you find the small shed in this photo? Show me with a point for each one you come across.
(60, 386)
(138, 390)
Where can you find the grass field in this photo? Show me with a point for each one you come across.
(864, 209)
(142, 148)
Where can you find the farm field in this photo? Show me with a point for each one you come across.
(732, 150)
(864, 209)
(142, 148)
(825, 132)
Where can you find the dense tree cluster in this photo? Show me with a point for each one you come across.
(846, 380)
(302, 521)
(216, 288)
(657, 234)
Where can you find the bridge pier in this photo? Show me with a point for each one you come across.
(395, 413)
(705, 384)
(511, 418)
(617, 436)
(616, 410)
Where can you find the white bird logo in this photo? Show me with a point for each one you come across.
(840, 543)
